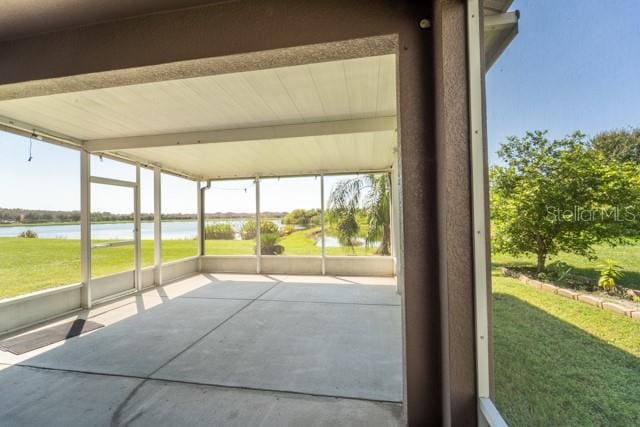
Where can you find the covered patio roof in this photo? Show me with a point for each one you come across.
(328, 117)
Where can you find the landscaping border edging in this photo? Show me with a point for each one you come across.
(584, 298)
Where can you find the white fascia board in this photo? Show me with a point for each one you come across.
(500, 21)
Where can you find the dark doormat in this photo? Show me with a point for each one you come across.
(44, 337)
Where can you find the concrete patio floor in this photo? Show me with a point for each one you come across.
(221, 349)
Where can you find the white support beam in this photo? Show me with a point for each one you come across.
(114, 244)
(200, 218)
(488, 414)
(479, 194)
(25, 129)
(85, 228)
(111, 181)
(258, 226)
(396, 223)
(137, 233)
(157, 226)
(338, 127)
(322, 216)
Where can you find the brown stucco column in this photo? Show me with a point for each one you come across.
(455, 241)
(433, 134)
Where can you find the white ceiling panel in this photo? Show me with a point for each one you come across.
(355, 88)
(277, 157)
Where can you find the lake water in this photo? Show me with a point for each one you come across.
(171, 230)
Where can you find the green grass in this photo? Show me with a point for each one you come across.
(297, 243)
(28, 265)
(627, 256)
(229, 247)
(562, 363)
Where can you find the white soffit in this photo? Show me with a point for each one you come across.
(304, 119)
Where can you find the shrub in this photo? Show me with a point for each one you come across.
(219, 231)
(269, 244)
(248, 230)
(28, 234)
(559, 271)
(610, 272)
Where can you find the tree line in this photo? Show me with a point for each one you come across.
(36, 216)
(39, 216)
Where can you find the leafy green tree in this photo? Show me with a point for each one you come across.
(368, 194)
(560, 195)
(622, 145)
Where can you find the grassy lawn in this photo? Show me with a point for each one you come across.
(561, 363)
(627, 256)
(28, 265)
(297, 243)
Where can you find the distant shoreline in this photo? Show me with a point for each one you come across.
(46, 224)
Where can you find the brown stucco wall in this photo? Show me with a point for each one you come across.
(433, 133)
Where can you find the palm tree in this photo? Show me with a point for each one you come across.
(369, 195)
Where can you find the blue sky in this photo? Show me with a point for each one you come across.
(51, 181)
(575, 65)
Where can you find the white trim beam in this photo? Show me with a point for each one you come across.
(488, 414)
(157, 226)
(85, 228)
(113, 244)
(479, 195)
(27, 130)
(322, 235)
(258, 227)
(110, 181)
(18, 127)
(200, 219)
(339, 127)
(137, 232)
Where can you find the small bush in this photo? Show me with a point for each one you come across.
(610, 272)
(248, 230)
(269, 244)
(219, 231)
(28, 234)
